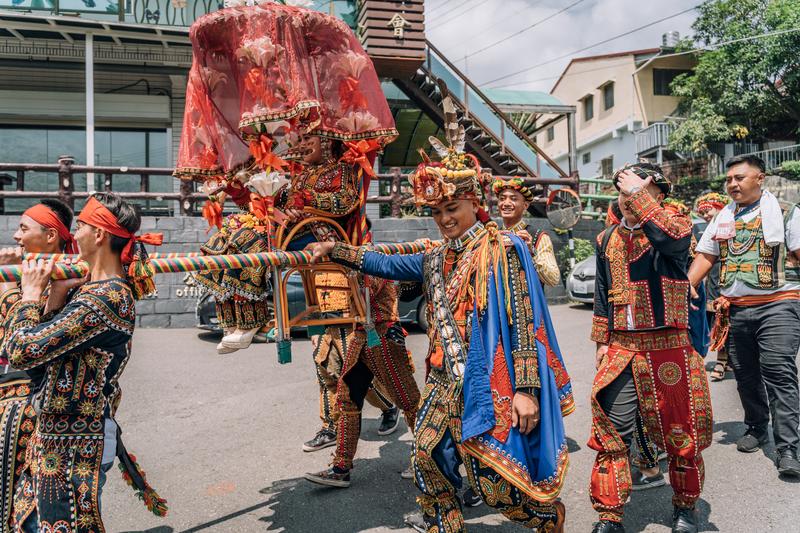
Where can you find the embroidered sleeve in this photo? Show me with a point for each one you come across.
(400, 267)
(526, 363)
(339, 202)
(599, 329)
(600, 319)
(669, 233)
(7, 299)
(545, 260)
(33, 343)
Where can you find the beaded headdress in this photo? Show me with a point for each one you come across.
(677, 206)
(457, 175)
(709, 201)
(515, 184)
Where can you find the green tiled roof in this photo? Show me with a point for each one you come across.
(504, 96)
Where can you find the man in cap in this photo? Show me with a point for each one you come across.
(645, 361)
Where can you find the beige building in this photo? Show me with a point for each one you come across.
(623, 100)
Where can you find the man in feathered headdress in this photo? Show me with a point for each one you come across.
(497, 388)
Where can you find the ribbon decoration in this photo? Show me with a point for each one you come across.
(263, 208)
(255, 84)
(261, 150)
(358, 154)
(212, 212)
(361, 153)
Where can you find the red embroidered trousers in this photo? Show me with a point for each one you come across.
(666, 382)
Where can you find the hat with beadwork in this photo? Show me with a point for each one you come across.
(456, 176)
(677, 206)
(709, 201)
(515, 184)
(644, 171)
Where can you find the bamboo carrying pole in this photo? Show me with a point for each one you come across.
(192, 263)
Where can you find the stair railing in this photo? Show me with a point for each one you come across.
(504, 120)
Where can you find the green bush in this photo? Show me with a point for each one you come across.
(583, 249)
(789, 170)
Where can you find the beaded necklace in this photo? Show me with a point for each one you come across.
(459, 244)
(519, 226)
(735, 248)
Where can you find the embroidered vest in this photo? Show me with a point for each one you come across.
(749, 259)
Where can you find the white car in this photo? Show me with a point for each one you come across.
(580, 282)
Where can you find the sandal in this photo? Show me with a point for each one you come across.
(718, 374)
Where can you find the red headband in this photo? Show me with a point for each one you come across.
(96, 214)
(49, 219)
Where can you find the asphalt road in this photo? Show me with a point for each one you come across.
(220, 438)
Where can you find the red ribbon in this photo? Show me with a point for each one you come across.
(256, 85)
(262, 152)
(212, 212)
(358, 152)
(261, 207)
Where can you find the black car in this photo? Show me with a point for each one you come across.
(411, 306)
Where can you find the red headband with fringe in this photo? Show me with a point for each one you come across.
(97, 215)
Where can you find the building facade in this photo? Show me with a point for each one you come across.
(623, 102)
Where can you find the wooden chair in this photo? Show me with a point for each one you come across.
(316, 279)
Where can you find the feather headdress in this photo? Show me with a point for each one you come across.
(457, 173)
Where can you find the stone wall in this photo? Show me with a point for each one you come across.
(174, 306)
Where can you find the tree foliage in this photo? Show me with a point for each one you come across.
(749, 88)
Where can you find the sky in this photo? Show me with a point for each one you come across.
(462, 28)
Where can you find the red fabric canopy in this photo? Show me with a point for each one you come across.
(279, 71)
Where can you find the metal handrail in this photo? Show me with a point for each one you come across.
(187, 197)
(496, 110)
(774, 157)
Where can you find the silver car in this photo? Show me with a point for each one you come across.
(580, 282)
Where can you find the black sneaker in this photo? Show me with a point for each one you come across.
(752, 440)
(390, 419)
(607, 526)
(787, 463)
(471, 498)
(323, 439)
(642, 482)
(330, 478)
(683, 520)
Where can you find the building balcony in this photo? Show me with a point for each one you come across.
(653, 138)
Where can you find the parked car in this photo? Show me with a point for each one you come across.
(580, 282)
(411, 307)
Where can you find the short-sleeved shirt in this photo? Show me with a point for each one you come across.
(708, 245)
